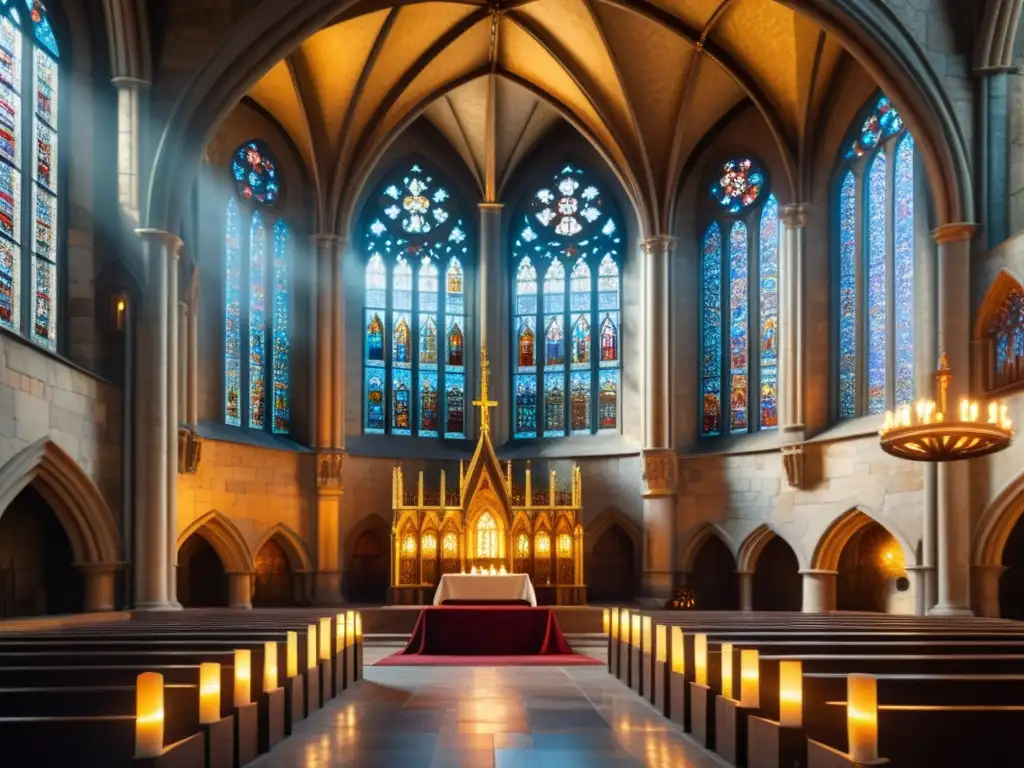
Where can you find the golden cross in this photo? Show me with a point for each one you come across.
(483, 403)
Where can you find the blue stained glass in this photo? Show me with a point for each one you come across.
(429, 405)
(579, 403)
(711, 330)
(1002, 354)
(848, 297)
(526, 406)
(554, 343)
(401, 402)
(769, 308)
(554, 404)
(738, 334)
(738, 185)
(455, 407)
(41, 25)
(608, 400)
(257, 321)
(877, 280)
(281, 362)
(232, 317)
(884, 121)
(255, 172)
(581, 342)
(903, 271)
(375, 401)
(10, 284)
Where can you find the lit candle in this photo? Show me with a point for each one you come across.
(974, 411)
(494, 571)
(862, 717)
(888, 421)
(339, 633)
(750, 679)
(149, 714)
(647, 634)
(661, 641)
(964, 409)
(1004, 417)
(606, 621)
(727, 685)
(209, 692)
(700, 659)
(243, 675)
(791, 694)
(624, 626)
(325, 638)
(635, 633)
(615, 622)
(292, 655)
(359, 626)
(678, 660)
(350, 626)
(311, 646)
(993, 413)
(269, 666)
(502, 570)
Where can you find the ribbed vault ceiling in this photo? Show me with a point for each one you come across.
(643, 81)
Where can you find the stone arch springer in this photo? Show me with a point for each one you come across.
(753, 545)
(996, 524)
(295, 549)
(226, 540)
(696, 537)
(834, 538)
(74, 498)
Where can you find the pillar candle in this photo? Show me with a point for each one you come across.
(209, 692)
(862, 717)
(243, 675)
(727, 687)
(339, 633)
(700, 659)
(750, 679)
(791, 694)
(311, 646)
(325, 638)
(269, 666)
(149, 714)
(678, 659)
(661, 636)
(292, 655)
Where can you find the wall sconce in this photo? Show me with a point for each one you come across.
(149, 714)
(117, 313)
(791, 694)
(243, 676)
(292, 655)
(862, 717)
(269, 666)
(750, 679)
(209, 692)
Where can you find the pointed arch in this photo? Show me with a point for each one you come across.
(294, 547)
(835, 537)
(225, 538)
(373, 523)
(696, 538)
(1004, 283)
(74, 498)
(997, 523)
(752, 547)
(999, 334)
(608, 518)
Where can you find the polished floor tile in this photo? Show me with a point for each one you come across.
(479, 717)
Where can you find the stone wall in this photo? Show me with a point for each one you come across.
(42, 396)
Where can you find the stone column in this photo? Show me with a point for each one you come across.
(746, 582)
(491, 331)
(791, 320)
(985, 590)
(183, 341)
(129, 97)
(100, 587)
(156, 425)
(327, 579)
(174, 364)
(953, 513)
(660, 461)
(994, 106)
(819, 591)
(239, 590)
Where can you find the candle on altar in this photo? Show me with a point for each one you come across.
(494, 571)
(502, 571)
(474, 570)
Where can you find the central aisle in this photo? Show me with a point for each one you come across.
(477, 717)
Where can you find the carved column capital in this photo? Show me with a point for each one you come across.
(168, 240)
(328, 471)
(954, 232)
(661, 472)
(795, 215)
(190, 451)
(657, 243)
(793, 464)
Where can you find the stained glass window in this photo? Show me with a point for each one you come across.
(416, 247)
(1005, 336)
(258, 253)
(566, 256)
(740, 320)
(29, 107)
(255, 173)
(875, 264)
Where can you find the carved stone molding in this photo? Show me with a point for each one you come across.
(328, 475)
(660, 472)
(793, 463)
(190, 451)
(795, 215)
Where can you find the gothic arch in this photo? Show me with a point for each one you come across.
(752, 546)
(608, 518)
(831, 543)
(372, 522)
(1005, 282)
(996, 524)
(74, 498)
(294, 547)
(225, 538)
(696, 538)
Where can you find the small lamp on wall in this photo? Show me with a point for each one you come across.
(117, 312)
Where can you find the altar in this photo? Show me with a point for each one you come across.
(482, 588)
(533, 531)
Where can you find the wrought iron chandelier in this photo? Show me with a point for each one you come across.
(929, 432)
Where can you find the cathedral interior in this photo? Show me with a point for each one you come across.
(310, 303)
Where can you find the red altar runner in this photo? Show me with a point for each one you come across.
(487, 635)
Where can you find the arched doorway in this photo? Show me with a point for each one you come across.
(275, 583)
(1011, 583)
(37, 577)
(872, 572)
(202, 582)
(368, 578)
(610, 568)
(713, 577)
(777, 582)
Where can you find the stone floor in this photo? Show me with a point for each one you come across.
(487, 717)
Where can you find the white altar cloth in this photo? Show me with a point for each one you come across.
(470, 586)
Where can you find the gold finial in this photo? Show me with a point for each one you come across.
(484, 404)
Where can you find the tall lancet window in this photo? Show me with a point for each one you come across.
(566, 324)
(739, 302)
(30, 232)
(258, 248)
(874, 246)
(416, 249)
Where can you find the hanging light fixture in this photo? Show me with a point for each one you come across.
(930, 432)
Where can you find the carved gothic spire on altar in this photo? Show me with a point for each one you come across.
(484, 404)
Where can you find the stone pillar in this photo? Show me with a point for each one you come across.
(100, 587)
(985, 590)
(192, 361)
(327, 579)
(791, 320)
(819, 591)
(183, 339)
(746, 581)
(156, 425)
(174, 364)
(492, 331)
(954, 528)
(129, 96)
(660, 461)
(239, 590)
(994, 104)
